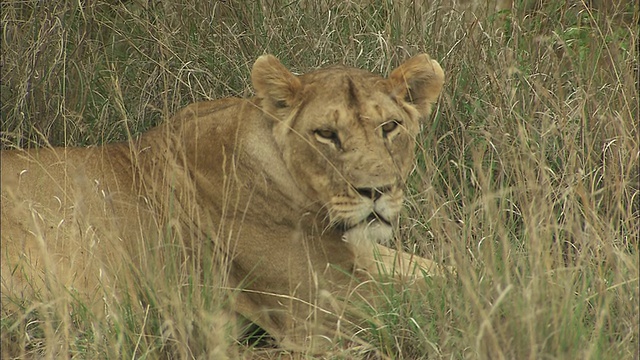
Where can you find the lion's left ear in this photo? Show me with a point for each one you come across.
(418, 81)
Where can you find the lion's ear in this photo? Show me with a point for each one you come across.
(274, 83)
(418, 81)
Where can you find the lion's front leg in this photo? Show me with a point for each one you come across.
(379, 259)
(403, 264)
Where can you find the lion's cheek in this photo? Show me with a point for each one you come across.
(403, 155)
(311, 175)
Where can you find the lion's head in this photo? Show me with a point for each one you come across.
(347, 135)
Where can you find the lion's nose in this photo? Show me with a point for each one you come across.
(372, 193)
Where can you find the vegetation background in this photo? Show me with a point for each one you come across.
(527, 179)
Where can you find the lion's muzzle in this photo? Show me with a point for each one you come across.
(369, 212)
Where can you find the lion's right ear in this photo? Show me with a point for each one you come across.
(274, 83)
(418, 81)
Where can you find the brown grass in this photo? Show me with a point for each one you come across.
(527, 179)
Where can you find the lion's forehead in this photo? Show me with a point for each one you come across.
(331, 73)
(349, 97)
(369, 115)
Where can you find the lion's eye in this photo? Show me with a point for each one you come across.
(327, 136)
(389, 127)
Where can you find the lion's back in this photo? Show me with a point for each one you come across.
(56, 213)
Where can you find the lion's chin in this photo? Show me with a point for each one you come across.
(367, 233)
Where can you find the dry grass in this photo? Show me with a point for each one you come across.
(527, 179)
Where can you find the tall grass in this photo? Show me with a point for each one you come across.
(527, 179)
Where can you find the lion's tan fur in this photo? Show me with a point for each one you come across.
(288, 191)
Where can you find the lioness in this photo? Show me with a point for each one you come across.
(292, 191)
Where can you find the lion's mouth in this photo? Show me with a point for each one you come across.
(368, 221)
(374, 216)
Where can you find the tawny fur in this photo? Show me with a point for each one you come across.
(290, 192)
